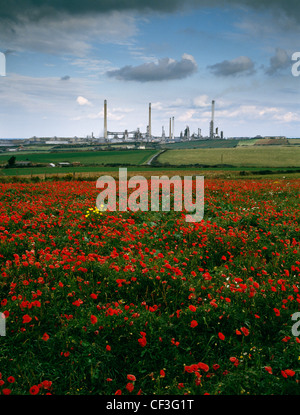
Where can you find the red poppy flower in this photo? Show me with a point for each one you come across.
(11, 379)
(131, 377)
(221, 336)
(47, 384)
(142, 341)
(45, 337)
(34, 390)
(269, 369)
(289, 372)
(6, 391)
(194, 323)
(203, 366)
(26, 318)
(93, 319)
(245, 331)
(130, 387)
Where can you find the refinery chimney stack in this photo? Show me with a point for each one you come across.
(172, 128)
(105, 119)
(212, 119)
(150, 133)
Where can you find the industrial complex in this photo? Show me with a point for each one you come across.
(147, 136)
(135, 137)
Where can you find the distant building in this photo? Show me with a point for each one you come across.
(22, 163)
(64, 164)
(57, 142)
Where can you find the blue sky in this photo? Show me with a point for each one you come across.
(62, 63)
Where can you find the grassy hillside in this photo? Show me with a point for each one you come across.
(251, 156)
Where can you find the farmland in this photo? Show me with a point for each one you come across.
(146, 303)
(248, 156)
(215, 155)
(134, 157)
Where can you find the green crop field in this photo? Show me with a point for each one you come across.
(269, 157)
(133, 157)
(201, 144)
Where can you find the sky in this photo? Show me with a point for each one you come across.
(65, 57)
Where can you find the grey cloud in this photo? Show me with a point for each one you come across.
(66, 26)
(65, 78)
(9, 52)
(235, 67)
(279, 61)
(36, 9)
(164, 69)
(68, 35)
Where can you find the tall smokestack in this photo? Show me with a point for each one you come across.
(172, 128)
(150, 134)
(105, 118)
(212, 119)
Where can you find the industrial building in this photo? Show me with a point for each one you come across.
(134, 136)
(137, 135)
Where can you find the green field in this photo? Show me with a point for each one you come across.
(248, 159)
(266, 157)
(133, 157)
(202, 144)
(294, 141)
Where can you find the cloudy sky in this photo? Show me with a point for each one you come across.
(65, 57)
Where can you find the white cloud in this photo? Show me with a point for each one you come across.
(157, 106)
(190, 58)
(202, 101)
(116, 114)
(82, 101)
(287, 117)
(187, 115)
(261, 113)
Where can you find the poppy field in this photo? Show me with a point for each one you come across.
(143, 303)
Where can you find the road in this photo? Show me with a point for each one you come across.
(153, 157)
